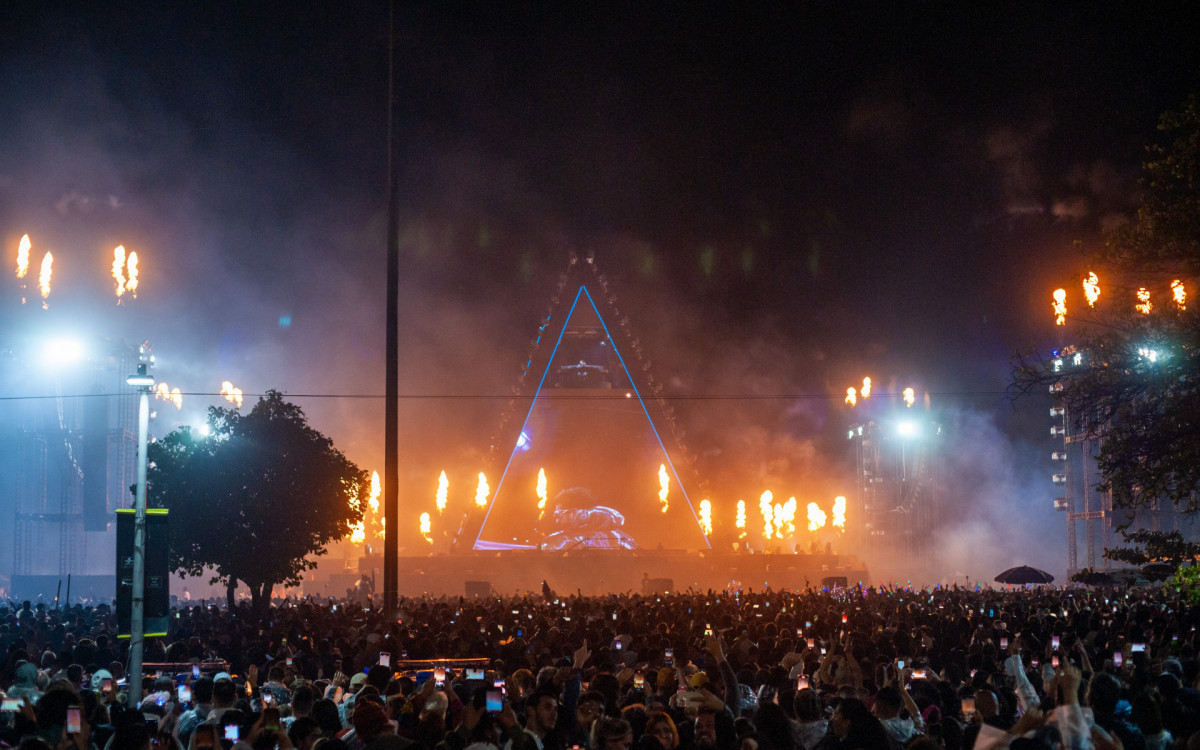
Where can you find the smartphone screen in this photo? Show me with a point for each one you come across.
(385, 658)
(900, 664)
(11, 704)
(195, 671)
(268, 698)
(669, 656)
(968, 706)
(802, 683)
(231, 732)
(1054, 642)
(73, 723)
(184, 692)
(1054, 662)
(499, 685)
(1003, 643)
(474, 674)
(1118, 659)
(1138, 648)
(106, 684)
(495, 701)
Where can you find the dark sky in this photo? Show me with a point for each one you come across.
(784, 197)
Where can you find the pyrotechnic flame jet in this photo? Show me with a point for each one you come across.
(706, 516)
(541, 493)
(740, 521)
(426, 528)
(764, 507)
(785, 518)
(118, 270)
(816, 517)
(231, 394)
(482, 491)
(44, 278)
(663, 481)
(358, 533)
(851, 396)
(168, 394)
(910, 397)
(373, 498)
(443, 491)
(1060, 307)
(839, 512)
(1091, 288)
(132, 265)
(1143, 306)
(866, 389)
(23, 257)
(1179, 294)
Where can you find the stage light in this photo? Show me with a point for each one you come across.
(1148, 354)
(1058, 456)
(908, 429)
(1059, 479)
(204, 430)
(60, 352)
(1058, 431)
(523, 442)
(1057, 411)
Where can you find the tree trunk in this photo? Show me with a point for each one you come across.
(260, 598)
(230, 588)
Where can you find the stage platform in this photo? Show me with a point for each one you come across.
(594, 572)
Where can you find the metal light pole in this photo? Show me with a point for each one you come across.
(143, 381)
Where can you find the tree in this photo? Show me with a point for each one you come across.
(254, 500)
(1168, 547)
(1132, 374)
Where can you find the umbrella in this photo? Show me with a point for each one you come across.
(1023, 574)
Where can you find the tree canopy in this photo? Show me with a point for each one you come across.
(1132, 373)
(256, 498)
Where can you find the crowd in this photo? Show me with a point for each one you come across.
(855, 668)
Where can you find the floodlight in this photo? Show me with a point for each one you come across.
(64, 351)
(1059, 479)
(908, 429)
(141, 379)
(1057, 411)
(204, 430)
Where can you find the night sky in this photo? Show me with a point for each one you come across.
(784, 199)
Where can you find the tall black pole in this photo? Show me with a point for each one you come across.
(391, 422)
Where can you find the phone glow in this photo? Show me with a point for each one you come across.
(1055, 642)
(231, 732)
(385, 658)
(1118, 659)
(74, 724)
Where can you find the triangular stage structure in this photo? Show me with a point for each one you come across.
(587, 429)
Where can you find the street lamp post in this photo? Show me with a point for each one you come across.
(144, 382)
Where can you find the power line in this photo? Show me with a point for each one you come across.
(618, 395)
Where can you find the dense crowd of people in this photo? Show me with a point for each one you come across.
(775, 670)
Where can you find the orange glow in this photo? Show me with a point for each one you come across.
(373, 498)
(1060, 307)
(170, 395)
(443, 491)
(358, 533)
(851, 396)
(482, 491)
(866, 389)
(132, 265)
(1143, 306)
(740, 521)
(663, 486)
(785, 518)
(1179, 294)
(816, 517)
(1091, 288)
(706, 516)
(44, 277)
(541, 493)
(426, 528)
(118, 270)
(910, 397)
(764, 507)
(839, 512)
(231, 394)
(23, 257)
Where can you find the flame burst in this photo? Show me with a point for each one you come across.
(851, 396)
(910, 397)
(231, 394)
(443, 491)
(132, 265)
(23, 257)
(1143, 306)
(482, 491)
(740, 521)
(663, 482)
(358, 533)
(1091, 288)
(866, 389)
(118, 270)
(426, 528)
(1179, 294)
(816, 517)
(44, 277)
(764, 507)
(839, 513)
(171, 395)
(1060, 307)
(541, 493)
(373, 499)
(785, 518)
(706, 516)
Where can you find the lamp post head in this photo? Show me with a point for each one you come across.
(141, 379)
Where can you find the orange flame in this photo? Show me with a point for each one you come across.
(740, 521)
(132, 265)
(231, 394)
(44, 277)
(851, 396)
(1179, 294)
(839, 512)
(118, 270)
(1143, 306)
(785, 518)
(663, 482)
(866, 389)
(426, 528)
(1091, 288)
(442, 492)
(1060, 307)
(358, 533)
(706, 516)
(482, 491)
(373, 498)
(816, 517)
(541, 493)
(764, 507)
(910, 397)
(170, 395)
(23, 257)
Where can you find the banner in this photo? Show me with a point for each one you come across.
(157, 591)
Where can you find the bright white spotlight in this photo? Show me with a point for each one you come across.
(204, 430)
(908, 429)
(58, 352)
